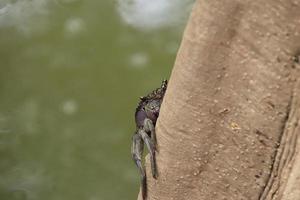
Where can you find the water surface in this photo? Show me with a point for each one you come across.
(70, 75)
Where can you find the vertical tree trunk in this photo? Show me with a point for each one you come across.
(228, 126)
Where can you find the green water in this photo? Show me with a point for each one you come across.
(70, 77)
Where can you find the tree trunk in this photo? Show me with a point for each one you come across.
(228, 126)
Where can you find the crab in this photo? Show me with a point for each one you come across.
(146, 115)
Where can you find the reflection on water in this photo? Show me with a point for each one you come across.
(74, 26)
(70, 77)
(138, 60)
(20, 14)
(148, 15)
(69, 107)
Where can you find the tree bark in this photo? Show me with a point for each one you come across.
(229, 123)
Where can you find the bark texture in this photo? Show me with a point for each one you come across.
(229, 123)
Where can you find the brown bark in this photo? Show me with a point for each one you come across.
(228, 126)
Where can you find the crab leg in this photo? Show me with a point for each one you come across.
(150, 147)
(149, 127)
(137, 152)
